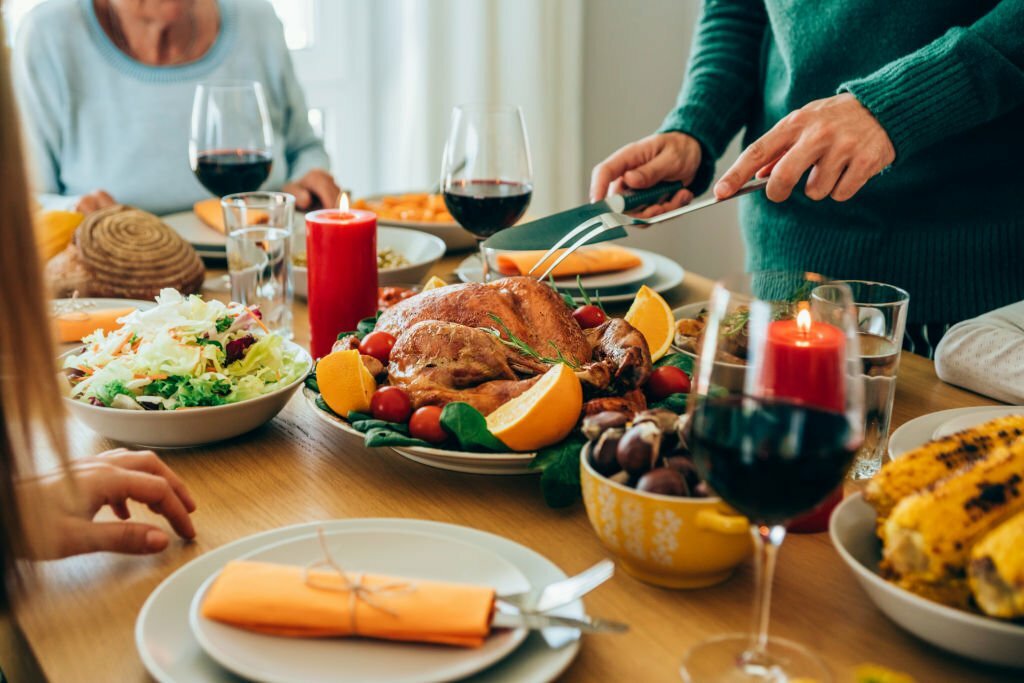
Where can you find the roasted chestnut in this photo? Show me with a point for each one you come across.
(595, 425)
(603, 452)
(638, 448)
(664, 480)
(685, 467)
(664, 419)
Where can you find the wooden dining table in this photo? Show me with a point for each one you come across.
(77, 620)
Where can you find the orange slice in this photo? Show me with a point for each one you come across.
(345, 383)
(652, 315)
(433, 283)
(543, 415)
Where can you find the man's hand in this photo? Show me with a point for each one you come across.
(94, 201)
(837, 138)
(647, 162)
(316, 189)
(61, 523)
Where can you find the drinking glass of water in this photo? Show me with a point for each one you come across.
(881, 321)
(259, 229)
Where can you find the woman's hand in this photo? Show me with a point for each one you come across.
(837, 138)
(61, 522)
(94, 201)
(647, 162)
(315, 189)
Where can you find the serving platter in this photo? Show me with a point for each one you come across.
(985, 639)
(171, 654)
(412, 554)
(455, 461)
(920, 430)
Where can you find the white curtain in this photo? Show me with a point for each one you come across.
(429, 55)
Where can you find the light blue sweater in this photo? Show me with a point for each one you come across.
(97, 119)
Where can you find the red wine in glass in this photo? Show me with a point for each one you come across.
(485, 207)
(231, 171)
(772, 460)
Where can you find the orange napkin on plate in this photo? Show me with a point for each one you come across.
(74, 325)
(585, 261)
(277, 600)
(211, 213)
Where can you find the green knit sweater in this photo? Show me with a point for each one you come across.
(945, 78)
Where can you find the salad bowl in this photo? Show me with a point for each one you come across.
(187, 427)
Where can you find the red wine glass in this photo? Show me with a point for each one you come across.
(486, 175)
(231, 145)
(776, 418)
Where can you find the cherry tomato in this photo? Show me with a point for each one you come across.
(589, 316)
(425, 424)
(391, 404)
(378, 345)
(667, 380)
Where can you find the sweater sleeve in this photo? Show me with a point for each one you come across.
(965, 78)
(304, 151)
(986, 354)
(722, 78)
(40, 94)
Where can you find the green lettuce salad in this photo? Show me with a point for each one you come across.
(183, 353)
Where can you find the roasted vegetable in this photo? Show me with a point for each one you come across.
(936, 460)
(996, 570)
(929, 535)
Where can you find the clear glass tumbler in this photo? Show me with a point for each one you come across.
(881, 321)
(259, 228)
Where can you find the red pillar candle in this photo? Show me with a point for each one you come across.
(341, 256)
(805, 362)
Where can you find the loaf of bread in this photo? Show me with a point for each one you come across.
(124, 253)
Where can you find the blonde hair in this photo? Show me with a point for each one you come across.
(30, 403)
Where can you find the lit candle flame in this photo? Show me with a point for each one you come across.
(803, 318)
(343, 202)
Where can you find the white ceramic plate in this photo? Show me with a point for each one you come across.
(409, 554)
(975, 418)
(192, 427)
(456, 461)
(920, 430)
(622, 278)
(852, 529)
(171, 654)
(197, 233)
(667, 274)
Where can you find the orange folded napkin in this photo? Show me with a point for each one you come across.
(285, 600)
(74, 325)
(585, 261)
(211, 213)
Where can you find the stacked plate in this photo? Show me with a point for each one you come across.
(177, 644)
(658, 272)
(208, 243)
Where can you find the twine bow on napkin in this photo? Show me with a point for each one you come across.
(357, 591)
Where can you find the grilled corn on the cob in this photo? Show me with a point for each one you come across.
(929, 535)
(936, 460)
(996, 570)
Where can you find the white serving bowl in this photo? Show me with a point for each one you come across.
(422, 251)
(456, 238)
(190, 426)
(730, 375)
(985, 639)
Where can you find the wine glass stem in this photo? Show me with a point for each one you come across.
(767, 540)
(485, 268)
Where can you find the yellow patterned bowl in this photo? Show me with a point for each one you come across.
(665, 540)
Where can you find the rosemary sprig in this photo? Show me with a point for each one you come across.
(522, 347)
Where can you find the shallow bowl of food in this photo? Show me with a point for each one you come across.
(187, 427)
(729, 375)
(420, 211)
(668, 541)
(977, 637)
(402, 256)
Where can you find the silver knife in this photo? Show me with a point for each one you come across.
(561, 593)
(531, 621)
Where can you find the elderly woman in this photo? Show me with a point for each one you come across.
(106, 89)
(831, 94)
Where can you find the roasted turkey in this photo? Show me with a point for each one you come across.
(453, 344)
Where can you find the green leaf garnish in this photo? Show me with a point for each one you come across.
(522, 347)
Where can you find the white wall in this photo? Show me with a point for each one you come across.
(634, 59)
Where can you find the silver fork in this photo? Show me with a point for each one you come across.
(561, 593)
(612, 221)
